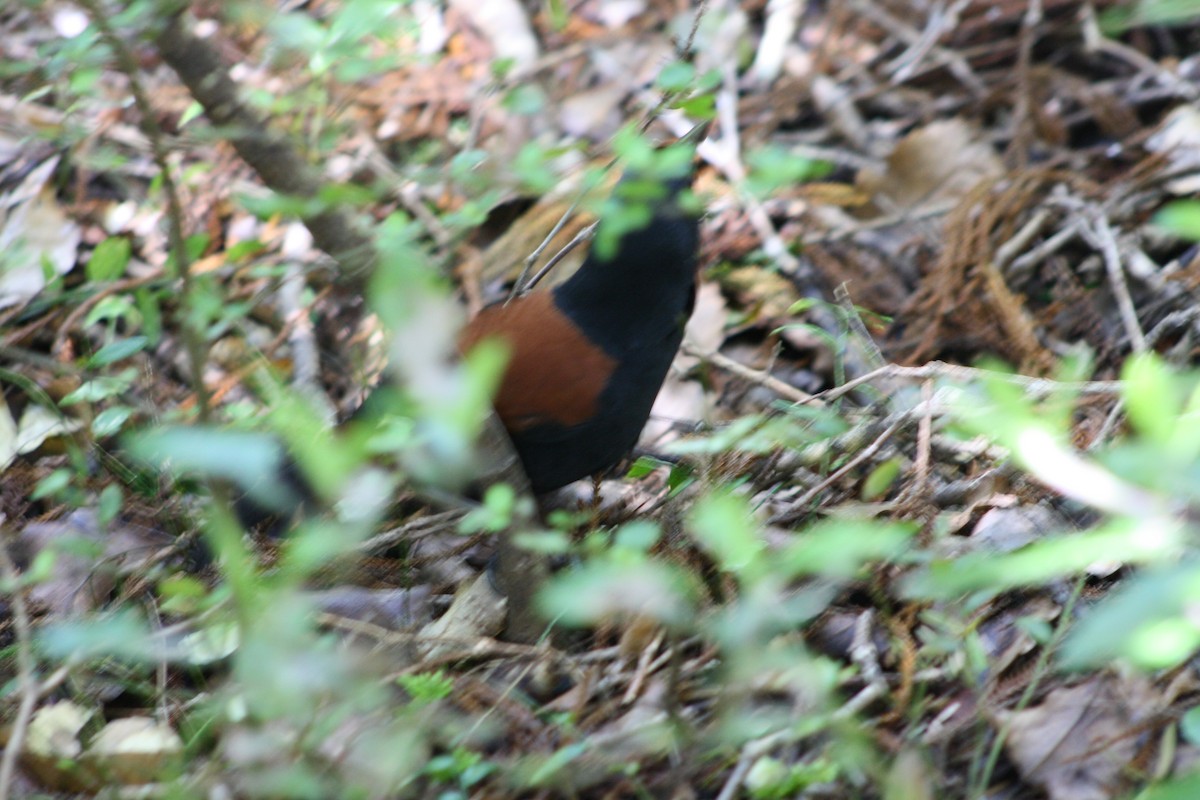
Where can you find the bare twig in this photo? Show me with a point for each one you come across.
(862, 456)
(922, 45)
(1038, 387)
(26, 681)
(1104, 239)
(519, 284)
(580, 238)
(260, 145)
(784, 390)
(941, 20)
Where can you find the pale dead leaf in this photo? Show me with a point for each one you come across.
(477, 613)
(765, 295)
(1178, 138)
(432, 23)
(54, 730)
(505, 257)
(705, 331)
(779, 34)
(1003, 530)
(594, 112)
(133, 750)
(210, 645)
(394, 609)
(679, 403)
(939, 162)
(8, 436)
(52, 744)
(506, 27)
(1004, 640)
(38, 424)
(681, 400)
(35, 235)
(615, 13)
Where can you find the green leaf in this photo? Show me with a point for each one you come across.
(193, 111)
(52, 484)
(881, 479)
(146, 302)
(109, 260)
(496, 512)
(773, 167)
(1181, 218)
(1151, 396)
(426, 687)
(602, 588)
(725, 528)
(1134, 541)
(101, 388)
(117, 351)
(111, 309)
(525, 100)
(110, 421)
(1189, 725)
(840, 548)
(111, 500)
(251, 460)
(676, 77)
(637, 536)
(122, 633)
(1146, 620)
(698, 106)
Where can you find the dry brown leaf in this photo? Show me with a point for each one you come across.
(763, 295)
(477, 613)
(1077, 742)
(394, 609)
(941, 161)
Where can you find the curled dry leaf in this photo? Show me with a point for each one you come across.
(37, 424)
(395, 609)
(477, 613)
(682, 401)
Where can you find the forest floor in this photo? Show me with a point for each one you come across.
(896, 590)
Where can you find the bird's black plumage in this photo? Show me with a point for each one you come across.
(589, 357)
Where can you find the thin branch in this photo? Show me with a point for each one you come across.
(580, 238)
(25, 671)
(269, 153)
(194, 340)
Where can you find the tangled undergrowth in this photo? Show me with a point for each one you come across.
(917, 512)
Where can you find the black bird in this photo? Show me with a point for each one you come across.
(588, 357)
